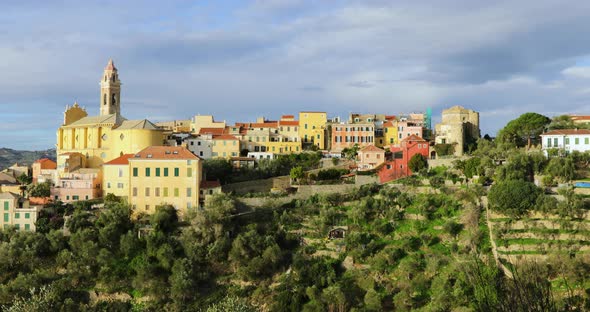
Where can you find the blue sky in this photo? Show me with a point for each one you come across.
(243, 59)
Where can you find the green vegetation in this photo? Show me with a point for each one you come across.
(524, 130)
(222, 170)
(417, 163)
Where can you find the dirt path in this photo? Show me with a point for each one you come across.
(507, 272)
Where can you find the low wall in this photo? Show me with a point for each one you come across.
(304, 191)
(257, 186)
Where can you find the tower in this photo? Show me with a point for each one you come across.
(110, 91)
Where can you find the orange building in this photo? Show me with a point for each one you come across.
(347, 135)
(43, 166)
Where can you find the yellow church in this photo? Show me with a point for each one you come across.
(107, 136)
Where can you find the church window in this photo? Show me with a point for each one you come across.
(114, 99)
(122, 136)
(104, 100)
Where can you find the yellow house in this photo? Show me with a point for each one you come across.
(390, 133)
(17, 213)
(312, 126)
(116, 177)
(109, 135)
(225, 145)
(284, 147)
(161, 175)
(204, 121)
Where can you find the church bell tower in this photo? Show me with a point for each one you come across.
(110, 91)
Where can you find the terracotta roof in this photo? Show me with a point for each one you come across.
(224, 137)
(371, 148)
(122, 160)
(210, 184)
(414, 138)
(164, 152)
(289, 123)
(577, 117)
(567, 132)
(388, 124)
(214, 131)
(43, 160)
(264, 125)
(287, 116)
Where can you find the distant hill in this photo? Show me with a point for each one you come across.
(9, 156)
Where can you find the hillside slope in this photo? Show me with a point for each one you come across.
(9, 156)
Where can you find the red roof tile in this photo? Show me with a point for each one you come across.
(287, 116)
(164, 152)
(121, 160)
(289, 123)
(371, 148)
(212, 131)
(263, 125)
(224, 137)
(567, 132)
(414, 138)
(210, 184)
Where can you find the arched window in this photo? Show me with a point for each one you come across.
(114, 99)
(104, 99)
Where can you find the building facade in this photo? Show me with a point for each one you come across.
(312, 128)
(459, 126)
(164, 175)
(369, 157)
(17, 213)
(44, 169)
(567, 140)
(116, 177)
(397, 167)
(347, 135)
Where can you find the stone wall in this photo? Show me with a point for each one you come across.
(257, 186)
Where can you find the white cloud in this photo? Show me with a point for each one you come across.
(577, 72)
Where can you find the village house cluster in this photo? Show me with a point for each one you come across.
(149, 163)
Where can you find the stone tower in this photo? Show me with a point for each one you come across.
(110, 91)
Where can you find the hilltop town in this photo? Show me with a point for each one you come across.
(307, 211)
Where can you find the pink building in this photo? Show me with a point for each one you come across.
(407, 128)
(82, 184)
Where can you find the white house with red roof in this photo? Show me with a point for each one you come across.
(568, 140)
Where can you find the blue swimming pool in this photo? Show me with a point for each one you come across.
(582, 184)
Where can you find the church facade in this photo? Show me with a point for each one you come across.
(106, 136)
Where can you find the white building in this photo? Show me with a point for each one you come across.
(262, 155)
(568, 140)
(201, 145)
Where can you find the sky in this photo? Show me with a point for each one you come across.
(242, 59)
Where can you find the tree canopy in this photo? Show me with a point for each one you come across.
(513, 197)
(417, 163)
(524, 130)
